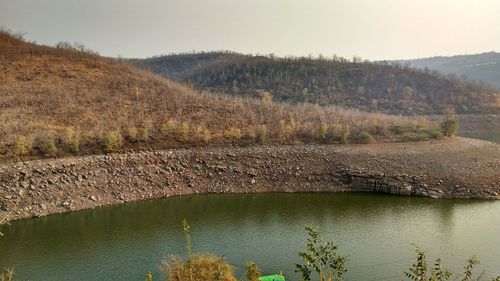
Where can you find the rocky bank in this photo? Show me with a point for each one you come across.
(453, 168)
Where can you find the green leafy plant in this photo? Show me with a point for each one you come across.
(471, 263)
(420, 270)
(320, 256)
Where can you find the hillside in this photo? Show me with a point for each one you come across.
(367, 86)
(64, 100)
(482, 67)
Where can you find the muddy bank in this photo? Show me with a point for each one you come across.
(458, 168)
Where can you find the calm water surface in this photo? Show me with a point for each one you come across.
(487, 137)
(124, 242)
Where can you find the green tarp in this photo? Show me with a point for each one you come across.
(272, 278)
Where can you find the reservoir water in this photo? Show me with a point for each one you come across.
(377, 231)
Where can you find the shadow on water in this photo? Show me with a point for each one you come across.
(123, 242)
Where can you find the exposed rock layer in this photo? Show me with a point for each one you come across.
(458, 168)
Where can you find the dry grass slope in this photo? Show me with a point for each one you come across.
(57, 101)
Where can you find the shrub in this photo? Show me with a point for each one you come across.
(48, 147)
(433, 133)
(321, 132)
(449, 124)
(111, 141)
(402, 128)
(266, 97)
(198, 267)
(21, 146)
(144, 134)
(170, 127)
(253, 271)
(183, 131)
(71, 140)
(202, 267)
(345, 136)
(149, 276)
(261, 133)
(421, 270)
(363, 137)
(201, 134)
(322, 257)
(132, 134)
(286, 131)
(233, 134)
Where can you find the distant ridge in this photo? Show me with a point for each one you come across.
(484, 67)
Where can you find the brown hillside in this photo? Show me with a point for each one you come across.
(54, 97)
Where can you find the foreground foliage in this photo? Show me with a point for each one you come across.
(422, 271)
(321, 257)
(197, 267)
(202, 267)
(7, 274)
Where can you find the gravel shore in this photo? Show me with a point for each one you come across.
(451, 168)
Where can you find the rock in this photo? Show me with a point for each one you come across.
(25, 184)
(43, 206)
(93, 198)
(253, 181)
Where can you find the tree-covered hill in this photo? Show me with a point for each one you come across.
(369, 86)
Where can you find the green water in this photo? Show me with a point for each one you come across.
(124, 242)
(486, 137)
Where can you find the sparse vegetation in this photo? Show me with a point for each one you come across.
(449, 125)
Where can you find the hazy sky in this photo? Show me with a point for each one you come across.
(372, 29)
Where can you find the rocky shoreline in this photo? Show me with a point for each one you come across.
(452, 168)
